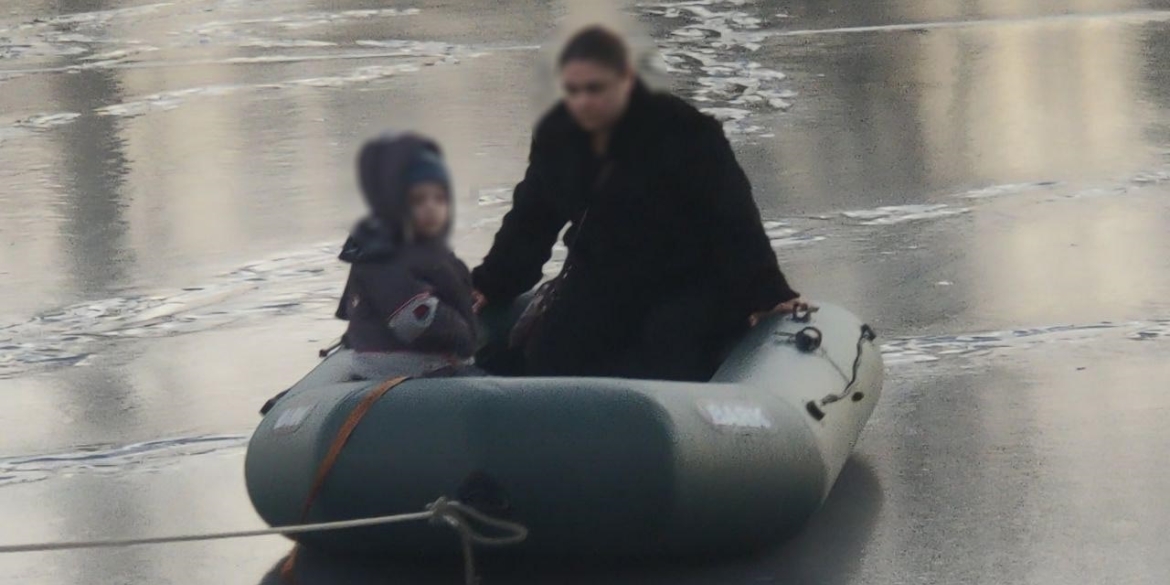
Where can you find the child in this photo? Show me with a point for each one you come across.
(408, 299)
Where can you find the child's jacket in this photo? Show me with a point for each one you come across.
(402, 294)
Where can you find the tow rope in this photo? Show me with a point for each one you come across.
(453, 514)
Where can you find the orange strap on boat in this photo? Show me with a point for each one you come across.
(339, 441)
(342, 438)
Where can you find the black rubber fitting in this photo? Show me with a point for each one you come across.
(815, 410)
(484, 493)
(808, 339)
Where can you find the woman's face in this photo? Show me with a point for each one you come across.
(596, 95)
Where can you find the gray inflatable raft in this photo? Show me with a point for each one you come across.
(591, 466)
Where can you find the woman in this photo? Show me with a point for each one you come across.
(668, 260)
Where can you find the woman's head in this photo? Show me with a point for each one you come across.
(597, 77)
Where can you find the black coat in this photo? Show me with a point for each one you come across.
(673, 216)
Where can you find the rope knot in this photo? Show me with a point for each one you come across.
(458, 516)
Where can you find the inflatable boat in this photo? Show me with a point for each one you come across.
(591, 466)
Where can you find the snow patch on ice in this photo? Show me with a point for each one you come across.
(296, 21)
(113, 57)
(284, 284)
(419, 48)
(166, 100)
(785, 236)
(22, 128)
(1134, 183)
(114, 459)
(169, 100)
(38, 48)
(493, 196)
(70, 34)
(360, 75)
(96, 18)
(263, 43)
(710, 50)
(1005, 189)
(1151, 178)
(895, 214)
(41, 121)
(931, 348)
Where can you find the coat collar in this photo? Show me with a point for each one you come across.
(633, 122)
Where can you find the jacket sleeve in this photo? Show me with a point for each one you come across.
(426, 324)
(524, 243)
(342, 311)
(741, 251)
(409, 307)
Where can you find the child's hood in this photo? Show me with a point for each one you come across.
(382, 170)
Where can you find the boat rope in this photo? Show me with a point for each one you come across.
(456, 515)
(451, 513)
(808, 340)
(867, 334)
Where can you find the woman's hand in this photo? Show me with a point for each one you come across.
(792, 306)
(477, 301)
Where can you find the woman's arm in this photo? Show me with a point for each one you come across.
(742, 253)
(524, 243)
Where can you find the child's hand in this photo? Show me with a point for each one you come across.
(477, 301)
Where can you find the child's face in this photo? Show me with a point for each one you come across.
(430, 209)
